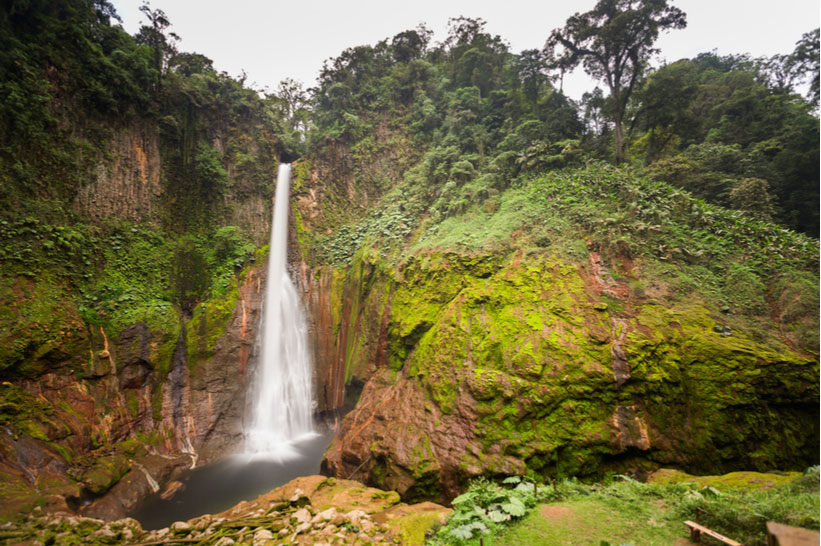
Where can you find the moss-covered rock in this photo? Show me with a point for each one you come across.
(527, 365)
(743, 480)
(105, 472)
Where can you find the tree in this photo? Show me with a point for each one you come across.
(157, 37)
(530, 66)
(613, 42)
(751, 195)
(411, 44)
(476, 58)
(804, 63)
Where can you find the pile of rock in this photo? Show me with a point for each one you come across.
(283, 525)
(313, 510)
(64, 529)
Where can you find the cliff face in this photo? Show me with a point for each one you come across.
(531, 335)
(128, 329)
(151, 398)
(483, 365)
(127, 185)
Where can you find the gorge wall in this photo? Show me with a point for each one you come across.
(119, 371)
(526, 358)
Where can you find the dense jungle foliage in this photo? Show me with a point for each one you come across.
(732, 130)
(73, 87)
(488, 155)
(462, 121)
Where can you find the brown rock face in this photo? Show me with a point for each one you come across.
(477, 366)
(218, 389)
(414, 447)
(127, 185)
(125, 422)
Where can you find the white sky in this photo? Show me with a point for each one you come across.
(275, 39)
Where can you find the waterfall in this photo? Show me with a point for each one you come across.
(282, 414)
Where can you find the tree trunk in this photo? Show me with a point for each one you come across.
(618, 134)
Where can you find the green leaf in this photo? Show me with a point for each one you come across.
(464, 497)
(514, 507)
(525, 487)
(498, 516)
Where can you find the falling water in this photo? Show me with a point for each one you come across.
(282, 413)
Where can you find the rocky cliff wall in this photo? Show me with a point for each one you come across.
(167, 392)
(127, 183)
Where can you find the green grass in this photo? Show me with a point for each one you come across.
(591, 521)
(625, 511)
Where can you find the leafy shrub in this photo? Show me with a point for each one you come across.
(743, 513)
(486, 508)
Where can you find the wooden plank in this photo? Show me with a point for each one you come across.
(697, 530)
(779, 534)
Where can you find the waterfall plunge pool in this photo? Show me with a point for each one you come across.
(220, 485)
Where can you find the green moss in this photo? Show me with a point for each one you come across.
(208, 323)
(105, 472)
(133, 403)
(39, 327)
(524, 336)
(734, 480)
(300, 175)
(304, 236)
(412, 528)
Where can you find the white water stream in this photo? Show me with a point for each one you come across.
(282, 413)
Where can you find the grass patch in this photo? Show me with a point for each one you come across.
(592, 521)
(624, 511)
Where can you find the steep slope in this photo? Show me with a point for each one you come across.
(508, 303)
(585, 321)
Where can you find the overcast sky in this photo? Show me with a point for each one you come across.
(273, 40)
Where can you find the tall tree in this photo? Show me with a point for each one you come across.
(804, 63)
(613, 42)
(157, 36)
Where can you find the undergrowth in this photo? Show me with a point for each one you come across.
(487, 510)
(740, 265)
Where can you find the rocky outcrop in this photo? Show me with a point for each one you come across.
(161, 395)
(312, 510)
(486, 365)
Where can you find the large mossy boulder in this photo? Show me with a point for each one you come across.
(530, 364)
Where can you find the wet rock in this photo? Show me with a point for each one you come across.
(261, 536)
(326, 515)
(171, 489)
(103, 533)
(180, 527)
(355, 517)
(301, 516)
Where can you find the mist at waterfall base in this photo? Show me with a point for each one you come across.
(282, 442)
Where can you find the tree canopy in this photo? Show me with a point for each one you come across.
(614, 42)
